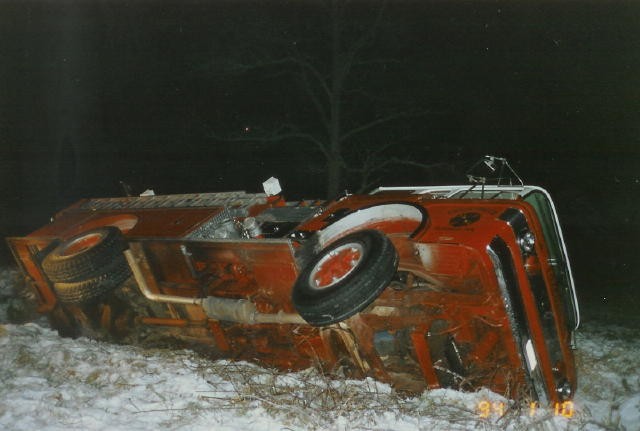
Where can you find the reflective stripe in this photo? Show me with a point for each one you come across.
(531, 355)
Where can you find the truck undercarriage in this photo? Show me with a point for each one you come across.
(420, 287)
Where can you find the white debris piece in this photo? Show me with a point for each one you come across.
(272, 186)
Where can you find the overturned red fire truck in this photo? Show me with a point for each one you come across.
(421, 287)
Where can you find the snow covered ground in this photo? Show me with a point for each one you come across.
(53, 383)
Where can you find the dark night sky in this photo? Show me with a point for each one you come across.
(95, 92)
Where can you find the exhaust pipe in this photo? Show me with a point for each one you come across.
(224, 309)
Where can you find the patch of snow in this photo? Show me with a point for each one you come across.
(52, 383)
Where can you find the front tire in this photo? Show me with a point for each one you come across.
(344, 278)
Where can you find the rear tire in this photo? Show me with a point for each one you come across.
(85, 255)
(86, 291)
(88, 265)
(344, 278)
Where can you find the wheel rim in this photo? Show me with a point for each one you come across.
(81, 244)
(336, 265)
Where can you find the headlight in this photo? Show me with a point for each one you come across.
(527, 242)
(564, 390)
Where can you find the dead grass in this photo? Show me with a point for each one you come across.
(313, 400)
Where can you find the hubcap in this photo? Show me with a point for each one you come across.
(81, 244)
(336, 265)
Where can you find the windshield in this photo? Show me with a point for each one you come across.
(557, 251)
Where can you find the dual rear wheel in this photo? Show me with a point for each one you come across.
(87, 266)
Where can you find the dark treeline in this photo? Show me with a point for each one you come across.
(211, 96)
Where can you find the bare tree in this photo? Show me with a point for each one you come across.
(329, 88)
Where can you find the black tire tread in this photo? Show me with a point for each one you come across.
(84, 291)
(88, 264)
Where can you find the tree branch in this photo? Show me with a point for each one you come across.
(320, 108)
(362, 41)
(373, 164)
(283, 133)
(426, 166)
(379, 121)
(311, 69)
